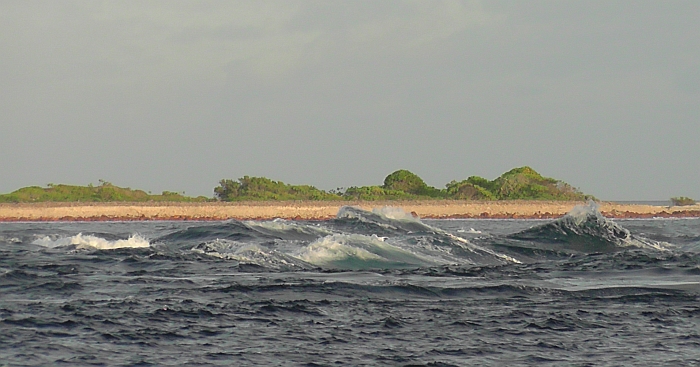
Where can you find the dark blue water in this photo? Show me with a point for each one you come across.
(371, 289)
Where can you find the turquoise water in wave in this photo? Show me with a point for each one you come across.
(367, 288)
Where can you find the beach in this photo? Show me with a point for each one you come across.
(321, 210)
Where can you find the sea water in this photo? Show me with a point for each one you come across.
(376, 288)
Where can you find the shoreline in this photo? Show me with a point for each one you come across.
(320, 210)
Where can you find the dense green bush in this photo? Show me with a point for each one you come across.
(682, 201)
(483, 183)
(521, 183)
(406, 181)
(524, 183)
(262, 188)
(466, 190)
(105, 192)
(374, 193)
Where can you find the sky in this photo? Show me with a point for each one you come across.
(177, 95)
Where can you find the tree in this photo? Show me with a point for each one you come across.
(467, 190)
(406, 181)
(682, 201)
(263, 188)
(227, 190)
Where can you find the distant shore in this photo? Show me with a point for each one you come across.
(320, 210)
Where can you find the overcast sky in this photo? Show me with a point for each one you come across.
(176, 95)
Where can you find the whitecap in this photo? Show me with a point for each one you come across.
(470, 230)
(358, 252)
(81, 241)
(391, 212)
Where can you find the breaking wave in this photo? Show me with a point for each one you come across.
(89, 242)
(359, 252)
(585, 230)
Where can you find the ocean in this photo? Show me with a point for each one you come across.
(368, 288)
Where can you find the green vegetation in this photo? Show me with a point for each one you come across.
(682, 201)
(517, 184)
(261, 188)
(469, 190)
(374, 193)
(406, 181)
(105, 192)
(525, 183)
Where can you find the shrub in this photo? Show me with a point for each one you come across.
(105, 192)
(406, 181)
(526, 184)
(467, 190)
(263, 188)
(372, 193)
(682, 201)
(522, 183)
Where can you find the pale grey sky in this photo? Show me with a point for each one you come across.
(176, 95)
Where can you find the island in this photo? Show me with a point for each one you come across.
(519, 193)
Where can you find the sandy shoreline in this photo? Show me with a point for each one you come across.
(313, 210)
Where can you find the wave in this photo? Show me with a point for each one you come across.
(584, 229)
(380, 221)
(81, 241)
(247, 231)
(251, 254)
(288, 230)
(418, 237)
(285, 245)
(231, 230)
(358, 239)
(358, 251)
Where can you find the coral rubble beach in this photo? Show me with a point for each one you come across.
(320, 210)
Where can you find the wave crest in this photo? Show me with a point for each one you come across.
(585, 229)
(357, 251)
(81, 241)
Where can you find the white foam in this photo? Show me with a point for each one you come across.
(10, 239)
(334, 248)
(339, 247)
(391, 212)
(81, 241)
(581, 212)
(380, 238)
